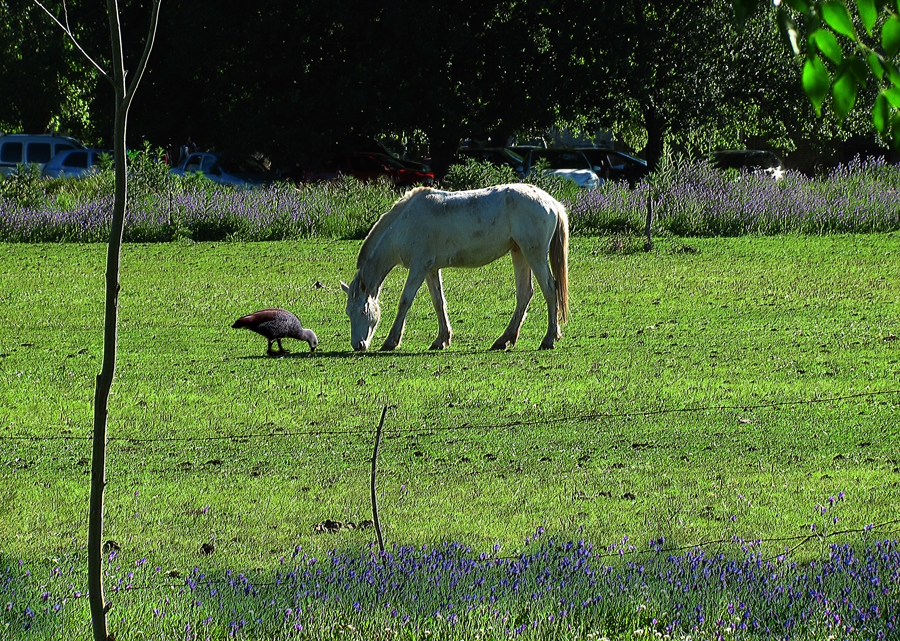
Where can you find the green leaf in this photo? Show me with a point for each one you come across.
(837, 17)
(890, 36)
(893, 74)
(827, 44)
(881, 115)
(816, 82)
(857, 67)
(844, 94)
(789, 32)
(800, 6)
(893, 96)
(874, 61)
(868, 13)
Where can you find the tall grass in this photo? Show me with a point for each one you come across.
(688, 198)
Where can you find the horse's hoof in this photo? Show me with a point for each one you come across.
(389, 346)
(439, 344)
(546, 345)
(500, 344)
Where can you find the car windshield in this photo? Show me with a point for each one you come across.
(624, 160)
(565, 160)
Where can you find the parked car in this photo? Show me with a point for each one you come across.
(74, 163)
(754, 160)
(499, 156)
(616, 165)
(568, 163)
(35, 149)
(225, 169)
(367, 166)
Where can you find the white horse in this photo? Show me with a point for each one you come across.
(427, 230)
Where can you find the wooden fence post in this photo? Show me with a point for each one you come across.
(374, 494)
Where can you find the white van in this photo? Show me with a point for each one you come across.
(17, 149)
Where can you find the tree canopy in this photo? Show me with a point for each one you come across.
(295, 81)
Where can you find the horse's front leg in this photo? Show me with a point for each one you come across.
(436, 289)
(413, 283)
(524, 293)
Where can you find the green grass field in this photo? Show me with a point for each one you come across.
(652, 418)
(687, 400)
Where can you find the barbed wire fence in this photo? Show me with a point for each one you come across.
(466, 426)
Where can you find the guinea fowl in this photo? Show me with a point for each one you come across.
(276, 324)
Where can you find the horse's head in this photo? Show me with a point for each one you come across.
(364, 313)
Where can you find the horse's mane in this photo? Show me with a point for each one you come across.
(383, 223)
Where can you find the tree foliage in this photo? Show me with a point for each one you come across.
(298, 80)
(44, 84)
(845, 50)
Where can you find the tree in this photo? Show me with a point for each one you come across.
(839, 58)
(298, 80)
(43, 84)
(659, 72)
(124, 95)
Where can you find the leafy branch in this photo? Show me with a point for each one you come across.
(838, 59)
(64, 25)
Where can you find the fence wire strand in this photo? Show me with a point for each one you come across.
(550, 420)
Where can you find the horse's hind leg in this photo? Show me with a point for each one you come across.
(547, 284)
(524, 293)
(436, 289)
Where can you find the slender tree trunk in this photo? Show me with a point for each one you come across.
(123, 98)
(105, 378)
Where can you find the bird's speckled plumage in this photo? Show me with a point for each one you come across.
(275, 324)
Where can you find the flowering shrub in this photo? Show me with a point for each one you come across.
(687, 199)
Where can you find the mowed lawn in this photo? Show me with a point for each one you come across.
(688, 398)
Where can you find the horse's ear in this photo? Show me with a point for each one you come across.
(345, 287)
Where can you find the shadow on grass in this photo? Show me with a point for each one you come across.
(338, 354)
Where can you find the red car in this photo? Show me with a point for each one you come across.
(367, 166)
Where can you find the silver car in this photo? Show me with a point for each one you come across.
(75, 163)
(236, 171)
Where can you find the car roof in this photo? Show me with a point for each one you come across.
(42, 138)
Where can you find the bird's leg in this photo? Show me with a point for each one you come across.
(271, 352)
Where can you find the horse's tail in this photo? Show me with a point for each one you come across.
(559, 263)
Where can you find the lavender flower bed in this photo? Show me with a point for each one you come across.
(198, 210)
(553, 590)
(688, 199)
(697, 200)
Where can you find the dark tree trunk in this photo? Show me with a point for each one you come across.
(444, 144)
(656, 137)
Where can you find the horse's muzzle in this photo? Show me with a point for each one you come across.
(360, 346)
